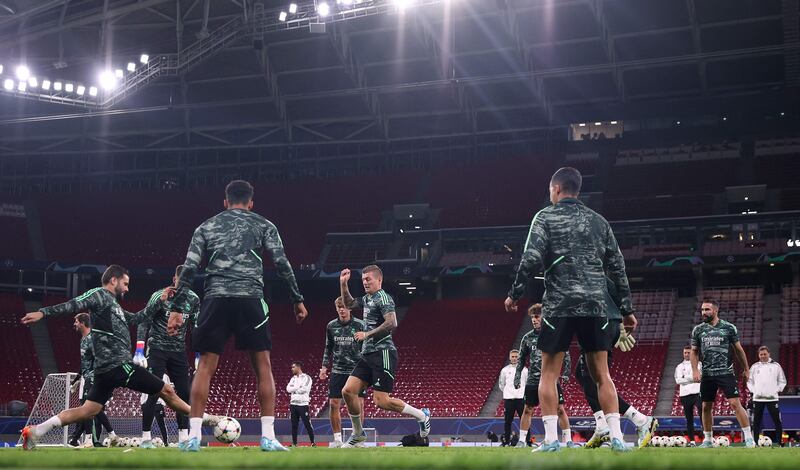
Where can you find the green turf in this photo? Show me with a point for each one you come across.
(454, 457)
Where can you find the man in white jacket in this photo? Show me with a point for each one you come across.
(512, 397)
(766, 382)
(689, 391)
(299, 389)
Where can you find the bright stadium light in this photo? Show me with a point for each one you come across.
(93, 91)
(8, 84)
(22, 86)
(45, 85)
(32, 82)
(144, 58)
(402, 4)
(69, 87)
(131, 66)
(107, 80)
(119, 73)
(81, 90)
(282, 16)
(57, 86)
(23, 72)
(323, 9)
(293, 8)
(1, 69)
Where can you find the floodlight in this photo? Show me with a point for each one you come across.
(293, 8)
(93, 91)
(144, 58)
(45, 84)
(57, 86)
(69, 87)
(107, 80)
(22, 86)
(282, 16)
(23, 72)
(81, 90)
(323, 9)
(131, 66)
(32, 82)
(118, 73)
(8, 84)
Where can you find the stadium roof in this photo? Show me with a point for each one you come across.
(229, 73)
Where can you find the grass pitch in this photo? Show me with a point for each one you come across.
(423, 458)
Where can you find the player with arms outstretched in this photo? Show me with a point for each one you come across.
(344, 352)
(111, 342)
(712, 341)
(378, 362)
(232, 243)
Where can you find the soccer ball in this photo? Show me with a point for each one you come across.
(227, 430)
(658, 441)
(172, 445)
(723, 441)
(124, 442)
(678, 441)
(668, 441)
(158, 442)
(107, 442)
(764, 441)
(136, 442)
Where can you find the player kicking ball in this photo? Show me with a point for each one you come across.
(378, 362)
(113, 366)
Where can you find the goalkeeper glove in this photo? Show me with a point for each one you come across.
(139, 358)
(626, 341)
(74, 387)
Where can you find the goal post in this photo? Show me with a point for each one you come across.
(123, 411)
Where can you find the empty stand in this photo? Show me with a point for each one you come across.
(21, 376)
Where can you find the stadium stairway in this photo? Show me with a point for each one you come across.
(42, 343)
(681, 329)
(771, 332)
(496, 396)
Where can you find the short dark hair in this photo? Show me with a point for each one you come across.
(688, 346)
(763, 348)
(569, 179)
(298, 364)
(372, 268)
(239, 192)
(713, 302)
(179, 270)
(84, 319)
(113, 271)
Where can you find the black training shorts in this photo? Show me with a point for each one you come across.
(532, 394)
(710, 384)
(336, 384)
(592, 332)
(377, 369)
(127, 375)
(220, 317)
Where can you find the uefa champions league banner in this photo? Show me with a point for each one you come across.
(392, 429)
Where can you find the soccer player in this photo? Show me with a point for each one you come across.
(111, 343)
(712, 341)
(513, 404)
(528, 351)
(689, 391)
(378, 362)
(91, 427)
(166, 352)
(343, 352)
(299, 389)
(576, 248)
(232, 243)
(767, 380)
(645, 425)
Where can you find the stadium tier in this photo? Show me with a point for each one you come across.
(21, 376)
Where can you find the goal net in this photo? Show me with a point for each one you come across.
(123, 410)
